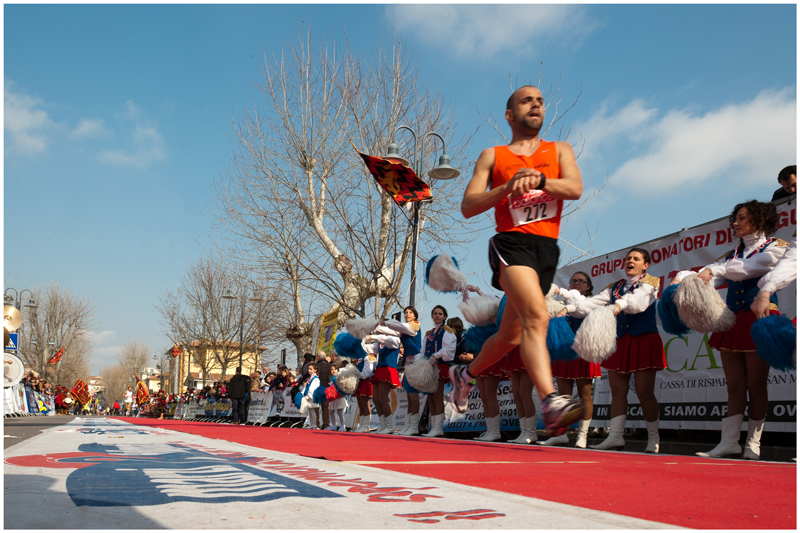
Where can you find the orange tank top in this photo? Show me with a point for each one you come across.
(537, 212)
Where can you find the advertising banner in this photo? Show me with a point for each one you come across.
(218, 408)
(691, 391)
(327, 331)
(283, 405)
(260, 402)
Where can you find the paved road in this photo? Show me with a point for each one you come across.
(16, 430)
(93, 472)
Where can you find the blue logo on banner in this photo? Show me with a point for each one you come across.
(171, 473)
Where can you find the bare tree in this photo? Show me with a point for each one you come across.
(297, 205)
(115, 380)
(134, 357)
(208, 326)
(59, 320)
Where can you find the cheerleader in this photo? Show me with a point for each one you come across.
(337, 406)
(411, 338)
(640, 350)
(364, 391)
(439, 343)
(385, 377)
(308, 392)
(577, 370)
(745, 372)
(784, 273)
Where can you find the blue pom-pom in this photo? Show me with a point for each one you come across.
(475, 336)
(319, 395)
(668, 313)
(775, 337)
(500, 310)
(298, 399)
(348, 346)
(560, 338)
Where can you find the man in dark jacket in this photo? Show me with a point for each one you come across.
(237, 391)
(324, 373)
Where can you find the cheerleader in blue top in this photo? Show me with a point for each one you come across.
(640, 350)
(439, 343)
(411, 337)
(746, 373)
(385, 377)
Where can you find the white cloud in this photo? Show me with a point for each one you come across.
(25, 122)
(147, 144)
(103, 337)
(91, 128)
(744, 142)
(487, 30)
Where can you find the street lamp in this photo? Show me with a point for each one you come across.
(442, 172)
(16, 300)
(231, 296)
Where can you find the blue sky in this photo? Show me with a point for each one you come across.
(116, 120)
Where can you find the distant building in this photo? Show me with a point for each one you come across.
(95, 384)
(204, 359)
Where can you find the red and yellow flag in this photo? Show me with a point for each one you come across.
(80, 392)
(56, 357)
(397, 179)
(142, 394)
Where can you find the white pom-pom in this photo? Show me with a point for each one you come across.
(701, 307)
(423, 374)
(554, 307)
(480, 310)
(596, 339)
(347, 379)
(443, 275)
(361, 327)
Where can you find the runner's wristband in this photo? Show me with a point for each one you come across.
(541, 183)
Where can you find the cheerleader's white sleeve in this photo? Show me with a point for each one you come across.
(448, 351)
(369, 366)
(751, 267)
(784, 273)
(385, 330)
(586, 306)
(638, 300)
(401, 327)
(571, 296)
(390, 341)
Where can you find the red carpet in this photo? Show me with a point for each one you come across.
(683, 491)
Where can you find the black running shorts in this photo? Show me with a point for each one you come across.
(514, 248)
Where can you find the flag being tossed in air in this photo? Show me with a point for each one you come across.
(80, 392)
(56, 357)
(397, 179)
(142, 392)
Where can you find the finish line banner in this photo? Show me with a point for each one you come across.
(692, 391)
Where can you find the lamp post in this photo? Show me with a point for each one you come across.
(442, 172)
(16, 301)
(231, 296)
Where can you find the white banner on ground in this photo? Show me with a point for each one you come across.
(691, 391)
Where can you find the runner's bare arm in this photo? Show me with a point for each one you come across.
(569, 186)
(476, 198)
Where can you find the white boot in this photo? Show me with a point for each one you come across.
(556, 441)
(312, 419)
(531, 435)
(614, 439)
(406, 422)
(729, 440)
(492, 430)
(583, 432)
(413, 426)
(363, 423)
(523, 432)
(382, 422)
(389, 425)
(436, 426)
(752, 447)
(652, 437)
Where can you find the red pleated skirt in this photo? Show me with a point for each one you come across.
(495, 369)
(642, 352)
(386, 374)
(364, 388)
(444, 372)
(576, 369)
(737, 339)
(512, 362)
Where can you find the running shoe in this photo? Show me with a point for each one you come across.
(459, 396)
(559, 412)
